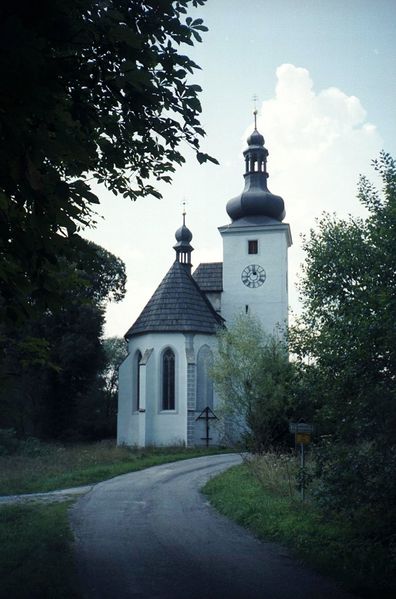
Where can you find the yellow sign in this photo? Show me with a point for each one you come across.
(303, 438)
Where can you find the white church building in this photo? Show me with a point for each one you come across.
(165, 390)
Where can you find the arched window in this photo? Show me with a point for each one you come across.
(168, 380)
(136, 381)
(204, 382)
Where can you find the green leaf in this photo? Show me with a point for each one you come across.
(205, 158)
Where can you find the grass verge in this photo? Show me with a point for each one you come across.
(334, 548)
(56, 466)
(35, 552)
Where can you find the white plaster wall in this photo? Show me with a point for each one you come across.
(200, 426)
(268, 302)
(201, 340)
(124, 413)
(167, 427)
(155, 426)
(215, 299)
(160, 427)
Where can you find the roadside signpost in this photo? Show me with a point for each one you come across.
(302, 436)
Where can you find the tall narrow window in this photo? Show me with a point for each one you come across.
(204, 382)
(168, 380)
(137, 380)
(253, 246)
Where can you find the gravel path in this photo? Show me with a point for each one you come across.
(153, 535)
(50, 497)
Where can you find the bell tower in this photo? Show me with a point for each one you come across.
(182, 247)
(255, 246)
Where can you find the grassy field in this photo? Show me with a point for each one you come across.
(51, 466)
(263, 498)
(36, 559)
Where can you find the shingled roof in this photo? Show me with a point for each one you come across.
(177, 305)
(209, 276)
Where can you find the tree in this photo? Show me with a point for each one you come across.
(255, 382)
(349, 302)
(347, 334)
(115, 349)
(62, 394)
(89, 89)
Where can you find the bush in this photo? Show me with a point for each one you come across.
(365, 471)
(8, 441)
(356, 485)
(29, 447)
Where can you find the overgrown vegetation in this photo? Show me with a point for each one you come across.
(262, 496)
(342, 378)
(36, 559)
(32, 466)
(345, 345)
(257, 384)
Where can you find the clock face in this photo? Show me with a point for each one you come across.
(253, 275)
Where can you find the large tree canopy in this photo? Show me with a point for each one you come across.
(56, 365)
(347, 329)
(89, 89)
(346, 342)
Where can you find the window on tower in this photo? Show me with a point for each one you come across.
(252, 246)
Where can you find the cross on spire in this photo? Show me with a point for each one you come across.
(183, 237)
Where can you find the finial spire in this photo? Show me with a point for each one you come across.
(256, 200)
(255, 111)
(183, 237)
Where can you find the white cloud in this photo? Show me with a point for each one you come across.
(315, 138)
(319, 143)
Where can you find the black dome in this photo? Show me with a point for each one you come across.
(255, 139)
(183, 234)
(256, 199)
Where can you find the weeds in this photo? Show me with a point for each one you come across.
(276, 473)
(35, 552)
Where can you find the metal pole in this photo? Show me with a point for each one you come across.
(302, 472)
(207, 427)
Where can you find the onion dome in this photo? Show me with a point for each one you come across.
(183, 234)
(255, 139)
(182, 246)
(256, 200)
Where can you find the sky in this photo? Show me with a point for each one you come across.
(324, 73)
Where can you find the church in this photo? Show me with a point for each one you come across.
(166, 396)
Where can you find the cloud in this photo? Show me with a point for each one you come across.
(319, 143)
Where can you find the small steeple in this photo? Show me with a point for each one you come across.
(256, 153)
(256, 199)
(182, 247)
